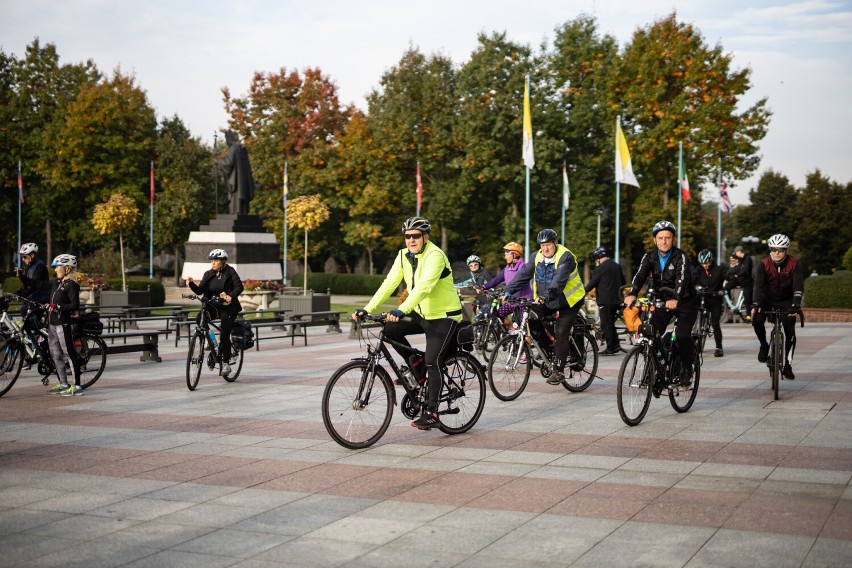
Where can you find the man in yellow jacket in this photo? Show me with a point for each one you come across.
(433, 307)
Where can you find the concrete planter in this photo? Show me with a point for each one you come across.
(257, 300)
(303, 304)
(115, 298)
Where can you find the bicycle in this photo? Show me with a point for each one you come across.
(204, 340)
(704, 323)
(776, 356)
(487, 325)
(512, 359)
(733, 307)
(359, 398)
(27, 342)
(652, 366)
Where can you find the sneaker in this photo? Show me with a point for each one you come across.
(74, 390)
(226, 370)
(427, 421)
(718, 352)
(522, 360)
(788, 372)
(58, 388)
(556, 378)
(763, 354)
(686, 377)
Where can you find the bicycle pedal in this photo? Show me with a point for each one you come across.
(451, 411)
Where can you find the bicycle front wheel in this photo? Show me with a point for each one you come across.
(11, 360)
(236, 363)
(776, 360)
(635, 383)
(357, 405)
(508, 372)
(583, 370)
(463, 396)
(91, 354)
(195, 361)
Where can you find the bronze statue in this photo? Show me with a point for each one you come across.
(237, 170)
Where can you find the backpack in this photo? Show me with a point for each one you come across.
(242, 336)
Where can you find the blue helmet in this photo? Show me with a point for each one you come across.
(664, 226)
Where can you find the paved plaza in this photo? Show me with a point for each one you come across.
(140, 472)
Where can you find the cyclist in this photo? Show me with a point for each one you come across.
(607, 280)
(221, 281)
(741, 275)
(711, 277)
(514, 254)
(668, 267)
(34, 276)
(779, 283)
(64, 301)
(557, 289)
(432, 304)
(479, 275)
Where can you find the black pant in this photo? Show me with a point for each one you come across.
(716, 308)
(226, 324)
(686, 314)
(439, 333)
(607, 313)
(564, 325)
(788, 323)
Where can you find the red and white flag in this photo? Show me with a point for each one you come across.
(20, 184)
(725, 204)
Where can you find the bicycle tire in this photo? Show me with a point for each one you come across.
(463, 395)
(507, 377)
(635, 383)
(11, 360)
(195, 360)
(486, 338)
(578, 379)
(236, 367)
(349, 421)
(680, 397)
(704, 329)
(91, 354)
(777, 354)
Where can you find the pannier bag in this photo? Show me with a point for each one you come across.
(88, 323)
(242, 335)
(631, 318)
(465, 335)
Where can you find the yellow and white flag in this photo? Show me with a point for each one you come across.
(623, 167)
(529, 159)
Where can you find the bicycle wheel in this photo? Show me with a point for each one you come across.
(11, 360)
(635, 383)
(776, 350)
(236, 364)
(704, 329)
(682, 397)
(357, 405)
(195, 360)
(463, 395)
(507, 376)
(582, 372)
(485, 338)
(91, 352)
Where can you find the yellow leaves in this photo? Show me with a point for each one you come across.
(307, 212)
(117, 214)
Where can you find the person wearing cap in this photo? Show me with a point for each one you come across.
(514, 254)
(709, 276)
(64, 302)
(34, 277)
(741, 276)
(607, 280)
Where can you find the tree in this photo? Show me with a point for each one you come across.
(306, 212)
(119, 214)
(823, 207)
(772, 210)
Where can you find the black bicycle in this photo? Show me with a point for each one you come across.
(704, 323)
(203, 348)
(358, 402)
(776, 357)
(487, 325)
(652, 366)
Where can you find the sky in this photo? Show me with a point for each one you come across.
(182, 52)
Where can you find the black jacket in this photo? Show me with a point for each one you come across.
(36, 282)
(213, 283)
(712, 281)
(676, 274)
(741, 275)
(607, 279)
(65, 295)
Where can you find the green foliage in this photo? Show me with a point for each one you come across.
(847, 259)
(823, 211)
(12, 284)
(833, 291)
(339, 283)
(106, 262)
(158, 291)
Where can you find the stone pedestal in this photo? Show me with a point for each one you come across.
(254, 253)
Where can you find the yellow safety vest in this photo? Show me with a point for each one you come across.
(574, 290)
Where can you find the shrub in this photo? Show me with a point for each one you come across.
(12, 284)
(158, 292)
(847, 259)
(340, 283)
(833, 291)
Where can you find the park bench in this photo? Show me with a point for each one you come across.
(149, 345)
(297, 326)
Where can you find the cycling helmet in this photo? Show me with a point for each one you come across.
(599, 252)
(515, 248)
(67, 260)
(705, 256)
(217, 254)
(416, 224)
(547, 236)
(779, 241)
(663, 226)
(473, 258)
(28, 248)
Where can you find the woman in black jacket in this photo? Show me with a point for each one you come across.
(64, 302)
(221, 281)
(711, 277)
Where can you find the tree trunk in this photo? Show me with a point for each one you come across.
(177, 265)
(445, 239)
(305, 271)
(370, 259)
(49, 238)
(121, 252)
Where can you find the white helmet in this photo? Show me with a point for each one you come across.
(217, 254)
(779, 241)
(67, 260)
(28, 248)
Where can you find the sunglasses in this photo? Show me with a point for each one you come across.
(412, 236)
(777, 250)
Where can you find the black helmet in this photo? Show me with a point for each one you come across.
(598, 253)
(663, 226)
(416, 224)
(705, 256)
(546, 236)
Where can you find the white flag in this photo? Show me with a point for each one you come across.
(529, 159)
(623, 167)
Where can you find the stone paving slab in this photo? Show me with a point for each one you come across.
(141, 472)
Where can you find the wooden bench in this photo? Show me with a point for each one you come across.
(329, 319)
(149, 346)
(261, 317)
(133, 322)
(291, 330)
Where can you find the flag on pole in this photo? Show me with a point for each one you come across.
(566, 191)
(725, 204)
(684, 184)
(152, 182)
(20, 184)
(419, 189)
(286, 188)
(623, 167)
(529, 159)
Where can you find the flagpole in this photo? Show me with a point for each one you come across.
(418, 189)
(527, 199)
(286, 190)
(719, 218)
(151, 233)
(679, 192)
(617, 203)
(564, 200)
(20, 202)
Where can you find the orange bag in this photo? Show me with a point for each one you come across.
(631, 318)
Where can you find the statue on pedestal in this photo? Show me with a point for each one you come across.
(236, 168)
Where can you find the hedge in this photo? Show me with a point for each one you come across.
(341, 283)
(158, 292)
(12, 284)
(834, 291)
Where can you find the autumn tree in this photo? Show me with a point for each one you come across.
(307, 212)
(116, 215)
